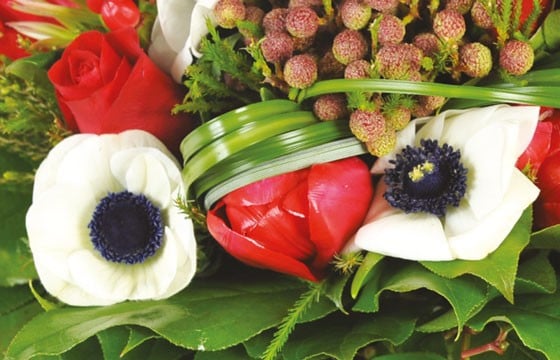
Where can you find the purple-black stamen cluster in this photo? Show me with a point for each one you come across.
(443, 185)
(126, 228)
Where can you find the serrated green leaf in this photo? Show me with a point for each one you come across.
(498, 268)
(536, 274)
(465, 295)
(548, 238)
(113, 341)
(232, 353)
(200, 317)
(534, 318)
(137, 336)
(341, 336)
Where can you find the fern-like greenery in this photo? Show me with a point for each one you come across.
(30, 123)
(222, 79)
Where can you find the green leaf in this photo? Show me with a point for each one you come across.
(113, 341)
(232, 353)
(498, 268)
(200, 317)
(364, 272)
(16, 264)
(16, 308)
(535, 319)
(536, 275)
(465, 294)
(137, 336)
(550, 32)
(548, 238)
(341, 336)
(411, 356)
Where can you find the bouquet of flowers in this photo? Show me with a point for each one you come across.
(280, 179)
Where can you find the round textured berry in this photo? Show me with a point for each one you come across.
(300, 71)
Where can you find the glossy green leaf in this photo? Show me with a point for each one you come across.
(534, 318)
(230, 121)
(498, 268)
(200, 317)
(238, 139)
(535, 95)
(341, 336)
(465, 295)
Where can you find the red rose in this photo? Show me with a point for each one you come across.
(296, 222)
(105, 83)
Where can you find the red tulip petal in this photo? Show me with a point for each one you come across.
(295, 202)
(538, 148)
(251, 252)
(272, 227)
(267, 190)
(548, 177)
(340, 194)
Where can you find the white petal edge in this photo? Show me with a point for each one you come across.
(487, 235)
(405, 236)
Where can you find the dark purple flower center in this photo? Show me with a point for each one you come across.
(428, 178)
(126, 228)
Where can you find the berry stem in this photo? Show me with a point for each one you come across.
(498, 345)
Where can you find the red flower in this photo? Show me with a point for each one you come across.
(105, 83)
(8, 36)
(296, 222)
(116, 14)
(543, 155)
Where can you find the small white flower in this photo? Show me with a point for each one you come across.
(179, 27)
(482, 202)
(103, 227)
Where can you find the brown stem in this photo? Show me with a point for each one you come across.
(498, 345)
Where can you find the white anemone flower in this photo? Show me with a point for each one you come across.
(103, 226)
(179, 27)
(457, 197)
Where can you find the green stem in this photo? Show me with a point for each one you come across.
(535, 95)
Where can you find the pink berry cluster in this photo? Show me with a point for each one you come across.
(303, 41)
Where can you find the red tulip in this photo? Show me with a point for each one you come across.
(296, 222)
(547, 206)
(543, 154)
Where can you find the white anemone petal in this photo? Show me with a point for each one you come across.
(147, 171)
(487, 234)
(175, 21)
(405, 236)
(58, 219)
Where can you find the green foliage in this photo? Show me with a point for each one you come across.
(222, 79)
